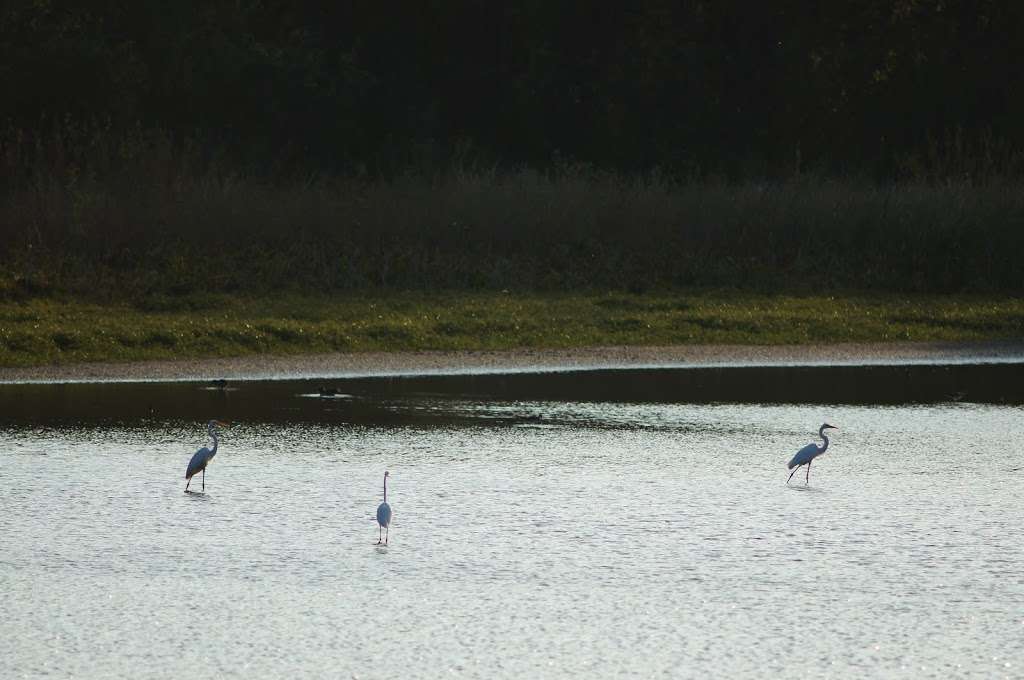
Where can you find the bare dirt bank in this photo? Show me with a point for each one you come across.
(408, 363)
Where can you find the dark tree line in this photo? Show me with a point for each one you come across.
(873, 87)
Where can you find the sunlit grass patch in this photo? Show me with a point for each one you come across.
(43, 331)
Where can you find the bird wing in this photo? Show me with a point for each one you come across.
(199, 460)
(383, 514)
(804, 455)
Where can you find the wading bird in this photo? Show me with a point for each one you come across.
(384, 514)
(805, 455)
(202, 457)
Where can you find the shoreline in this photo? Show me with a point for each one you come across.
(384, 364)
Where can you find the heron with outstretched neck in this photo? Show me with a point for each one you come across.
(384, 514)
(202, 457)
(807, 454)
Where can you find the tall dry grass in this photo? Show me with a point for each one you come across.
(84, 211)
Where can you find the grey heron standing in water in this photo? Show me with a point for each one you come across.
(384, 514)
(202, 457)
(805, 455)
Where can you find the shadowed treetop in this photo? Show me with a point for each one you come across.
(724, 87)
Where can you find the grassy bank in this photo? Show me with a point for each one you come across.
(43, 331)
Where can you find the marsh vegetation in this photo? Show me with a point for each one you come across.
(142, 217)
(170, 165)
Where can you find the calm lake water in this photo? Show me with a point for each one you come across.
(607, 524)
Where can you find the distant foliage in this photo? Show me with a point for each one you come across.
(736, 89)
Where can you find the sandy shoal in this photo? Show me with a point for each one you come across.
(341, 365)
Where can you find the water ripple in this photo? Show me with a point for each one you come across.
(614, 540)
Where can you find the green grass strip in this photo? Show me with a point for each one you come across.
(47, 331)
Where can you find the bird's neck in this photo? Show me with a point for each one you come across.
(385, 489)
(821, 433)
(213, 451)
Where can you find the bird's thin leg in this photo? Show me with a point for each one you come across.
(386, 532)
(204, 479)
(793, 473)
(808, 480)
(379, 537)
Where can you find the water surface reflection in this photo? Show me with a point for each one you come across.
(600, 523)
(405, 400)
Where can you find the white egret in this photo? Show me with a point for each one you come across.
(202, 457)
(384, 514)
(805, 455)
